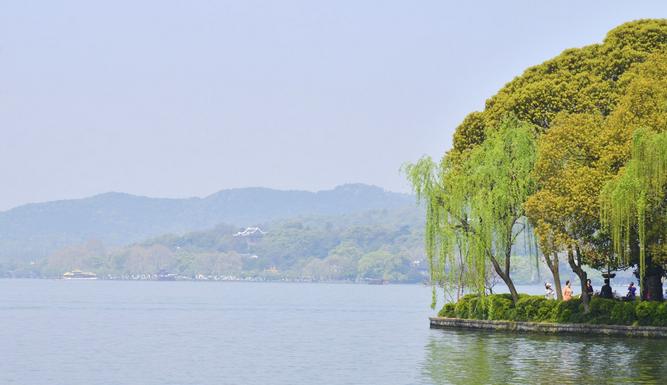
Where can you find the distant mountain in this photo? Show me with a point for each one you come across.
(34, 230)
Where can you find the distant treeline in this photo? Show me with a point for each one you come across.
(375, 245)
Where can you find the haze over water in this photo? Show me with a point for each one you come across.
(122, 332)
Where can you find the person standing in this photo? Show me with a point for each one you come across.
(589, 288)
(605, 290)
(632, 292)
(567, 291)
(549, 291)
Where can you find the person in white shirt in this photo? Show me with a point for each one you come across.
(549, 291)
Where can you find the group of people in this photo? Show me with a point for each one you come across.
(567, 291)
(605, 291)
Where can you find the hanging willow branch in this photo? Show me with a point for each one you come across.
(631, 202)
(474, 203)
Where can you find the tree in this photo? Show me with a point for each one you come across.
(586, 103)
(475, 205)
(381, 264)
(636, 158)
(634, 206)
(564, 209)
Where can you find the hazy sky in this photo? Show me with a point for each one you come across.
(184, 98)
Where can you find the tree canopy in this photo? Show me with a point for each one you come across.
(595, 193)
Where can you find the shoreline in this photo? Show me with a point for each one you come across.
(548, 328)
(341, 282)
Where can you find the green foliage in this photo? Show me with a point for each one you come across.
(378, 244)
(623, 313)
(634, 203)
(470, 133)
(587, 102)
(384, 265)
(583, 80)
(539, 309)
(528, 308)
(499, 306)
(474, 206)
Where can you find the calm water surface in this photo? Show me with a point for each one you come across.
(104, 332)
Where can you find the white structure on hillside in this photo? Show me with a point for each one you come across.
(250, 232)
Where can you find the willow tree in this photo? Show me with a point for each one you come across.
(634, 208)
(593, 98)
(474, 203)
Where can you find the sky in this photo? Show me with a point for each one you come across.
(172, 98)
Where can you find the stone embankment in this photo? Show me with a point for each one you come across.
(549, 328)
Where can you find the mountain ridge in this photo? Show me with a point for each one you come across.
(36, 229)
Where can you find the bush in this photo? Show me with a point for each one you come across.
(461, 309)
(661, 315)
(650, 313)
(623, 313)
(528, 308)
(477, 309)
(539, 309)
(601, 310)
(448, 310)
(499, 307)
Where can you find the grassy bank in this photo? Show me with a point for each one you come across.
(538, 309)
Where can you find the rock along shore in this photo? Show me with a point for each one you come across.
(549, 328)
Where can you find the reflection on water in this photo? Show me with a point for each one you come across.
(485, 357)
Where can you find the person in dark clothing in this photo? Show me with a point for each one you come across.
(605, 290)
(632, 292)
(589, 288)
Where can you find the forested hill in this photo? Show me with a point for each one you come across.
(384, 244)
(35, 230)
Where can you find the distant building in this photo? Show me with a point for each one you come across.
(250, 232)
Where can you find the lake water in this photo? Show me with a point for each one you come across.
(114, 332)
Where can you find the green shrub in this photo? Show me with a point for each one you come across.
(600, 310)
(461, 309)
(565, 311)
(539, 309)
(661, 315)
(477, 308)
(649, 313)
(448, 310)
(528, 307)
(499, 307)
(546, 311)
(623, 313)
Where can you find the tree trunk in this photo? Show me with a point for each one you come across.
(583, 276)
(652, 285)
(505, 276)
(554, 268)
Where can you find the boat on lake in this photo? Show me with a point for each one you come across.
(78, 274)
(164, 275)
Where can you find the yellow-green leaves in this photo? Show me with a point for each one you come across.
(564, 210)
(581, 110)
(475, 203)
(583, 80)
(470, 133)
